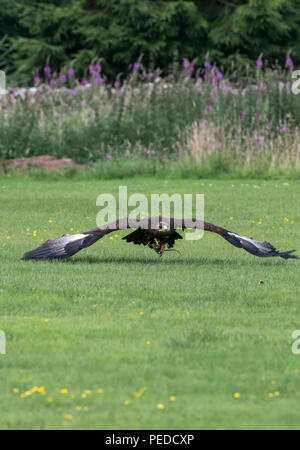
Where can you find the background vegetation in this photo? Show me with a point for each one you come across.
(182, 125)
(119, 31)
(188, 87)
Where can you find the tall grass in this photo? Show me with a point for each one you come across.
(235, 120)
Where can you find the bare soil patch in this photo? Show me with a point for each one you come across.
(46, 162)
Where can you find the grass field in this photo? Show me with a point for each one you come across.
(166, 341)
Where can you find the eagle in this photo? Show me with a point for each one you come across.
(158, 233)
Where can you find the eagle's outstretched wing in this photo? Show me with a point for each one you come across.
(62, 247)
(263, 249)
(67, 245)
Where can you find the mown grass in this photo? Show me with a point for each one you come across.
(197, 326)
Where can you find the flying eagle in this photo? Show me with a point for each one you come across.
(158, 233)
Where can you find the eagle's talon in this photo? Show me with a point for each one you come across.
(158, 248)
(162, 249)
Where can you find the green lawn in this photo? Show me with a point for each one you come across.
(197, 327)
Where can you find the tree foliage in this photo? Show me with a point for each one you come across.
(119, 31)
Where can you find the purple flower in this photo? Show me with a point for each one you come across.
(92, 68)
(71, 72)
(261, 86)
(268, 124)
(47, 70)
(226, 87)
(219, 75)
(98, 67)
(244, 114)
(151, 76)
(84, 82)
(186, 63)
(36, 79)
(52, 82)
(285, 129)
(136, 66)
(75, 92)
(149, 151)
(14, 93)
(259, 63)
(202, 125)
(208, 107)
(215, 89)
(179, 153)
(63, 78)
(117, 84)
(289, 62)
(199, 80)
(99, 80)
(259, 142)
(207, 64)
(108, 157)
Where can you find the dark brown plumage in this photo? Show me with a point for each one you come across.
(155, 239)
